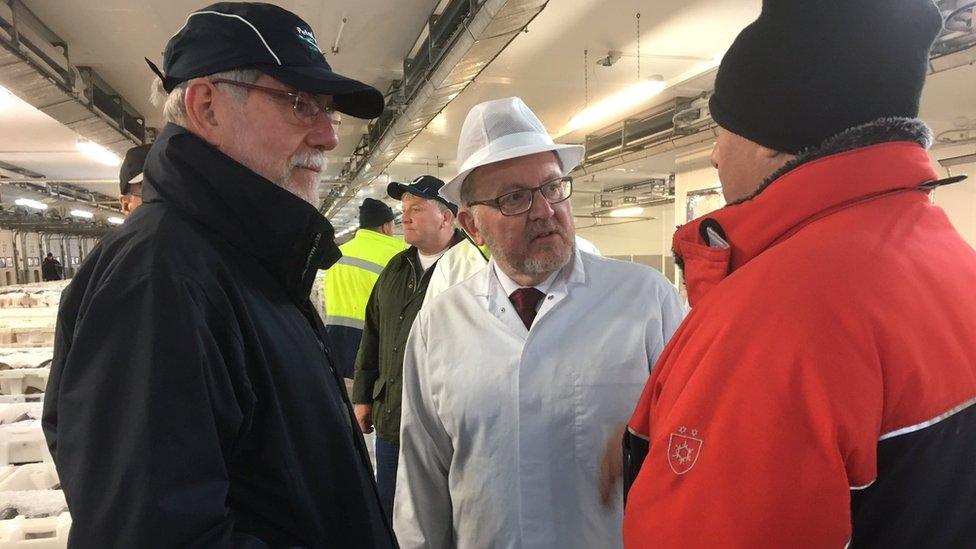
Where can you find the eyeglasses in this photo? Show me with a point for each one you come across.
(305, 105)
(517, 202)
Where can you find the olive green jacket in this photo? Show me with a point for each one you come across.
(393, 304)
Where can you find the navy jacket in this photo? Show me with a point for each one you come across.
(191, 401)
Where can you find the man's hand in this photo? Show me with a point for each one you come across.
(612, 465)
(364, 416)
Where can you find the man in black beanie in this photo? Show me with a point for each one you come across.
(821, 392)
(349, 282)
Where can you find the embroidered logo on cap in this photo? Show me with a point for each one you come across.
(683, 450)
(309, 38)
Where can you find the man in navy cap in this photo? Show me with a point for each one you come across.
(428, 226)
(193, 400)
(130, 178)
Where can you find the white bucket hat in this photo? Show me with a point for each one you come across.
(499, 130)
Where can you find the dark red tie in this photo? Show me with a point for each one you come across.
(525, 301)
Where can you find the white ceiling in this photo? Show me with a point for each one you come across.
(30, 139)
(544, 66)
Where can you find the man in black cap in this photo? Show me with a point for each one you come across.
(192, 400)
(50, 268)
(130, 178)
(821, 392)
(349, 282)
(428, 226)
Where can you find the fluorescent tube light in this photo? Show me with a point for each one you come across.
(607, 109)
(627, 212)
(99, 153)
(28, 203)
(82, 214)
(6, 99)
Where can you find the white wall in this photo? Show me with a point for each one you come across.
(651, 237)
(8, 275)
(958, 199)
(693, 172)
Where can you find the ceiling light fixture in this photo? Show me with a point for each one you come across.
(627, 212)
(82, 214)
(617, 104)
(115, 220)
(6, 99)
(28, 203)
(98, 153)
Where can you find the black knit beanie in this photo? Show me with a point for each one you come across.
(809, 69)
(373, 213)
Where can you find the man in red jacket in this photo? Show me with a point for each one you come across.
(821, 391)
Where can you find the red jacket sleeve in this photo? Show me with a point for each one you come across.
(758, 430)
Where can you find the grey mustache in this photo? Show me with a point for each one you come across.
(314, 160)
(550, 227)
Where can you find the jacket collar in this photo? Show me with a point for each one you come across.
(410, 254)
(804, 194)
(367, 234)
(288, 236)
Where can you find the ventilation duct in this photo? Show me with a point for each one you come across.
(34, 65)
(459, 44)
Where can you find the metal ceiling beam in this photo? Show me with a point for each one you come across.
(36, 67)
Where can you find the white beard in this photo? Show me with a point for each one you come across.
(253, 157)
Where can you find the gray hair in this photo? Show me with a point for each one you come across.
(173, 104)
(443, 207)
(467, 189)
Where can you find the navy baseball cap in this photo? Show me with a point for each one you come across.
(237, 35)
(131, 171)
(425, 186)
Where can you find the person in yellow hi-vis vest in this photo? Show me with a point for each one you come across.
(349, 282)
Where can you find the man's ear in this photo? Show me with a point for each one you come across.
(448, 217)
(201, 101)
(466, 219)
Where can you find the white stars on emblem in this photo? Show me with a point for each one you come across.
(684, 449)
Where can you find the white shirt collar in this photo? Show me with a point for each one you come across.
(427, 260)
(509, 285)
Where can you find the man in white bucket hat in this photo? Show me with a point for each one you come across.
(518, 380)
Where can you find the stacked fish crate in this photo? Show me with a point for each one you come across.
(33, 512)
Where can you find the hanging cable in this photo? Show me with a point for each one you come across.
(586, 78)
(638, 46)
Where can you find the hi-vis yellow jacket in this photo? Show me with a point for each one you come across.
(347, 287)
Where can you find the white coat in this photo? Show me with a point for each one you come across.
(503, 428)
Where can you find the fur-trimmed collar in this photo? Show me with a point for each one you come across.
(882, 130)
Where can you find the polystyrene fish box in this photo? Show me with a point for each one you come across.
(23, 442)
(13, 358)
(32, 476)
(34, 337)
(21, 411)
(13, 399)
(35, 533)
(24, 381)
